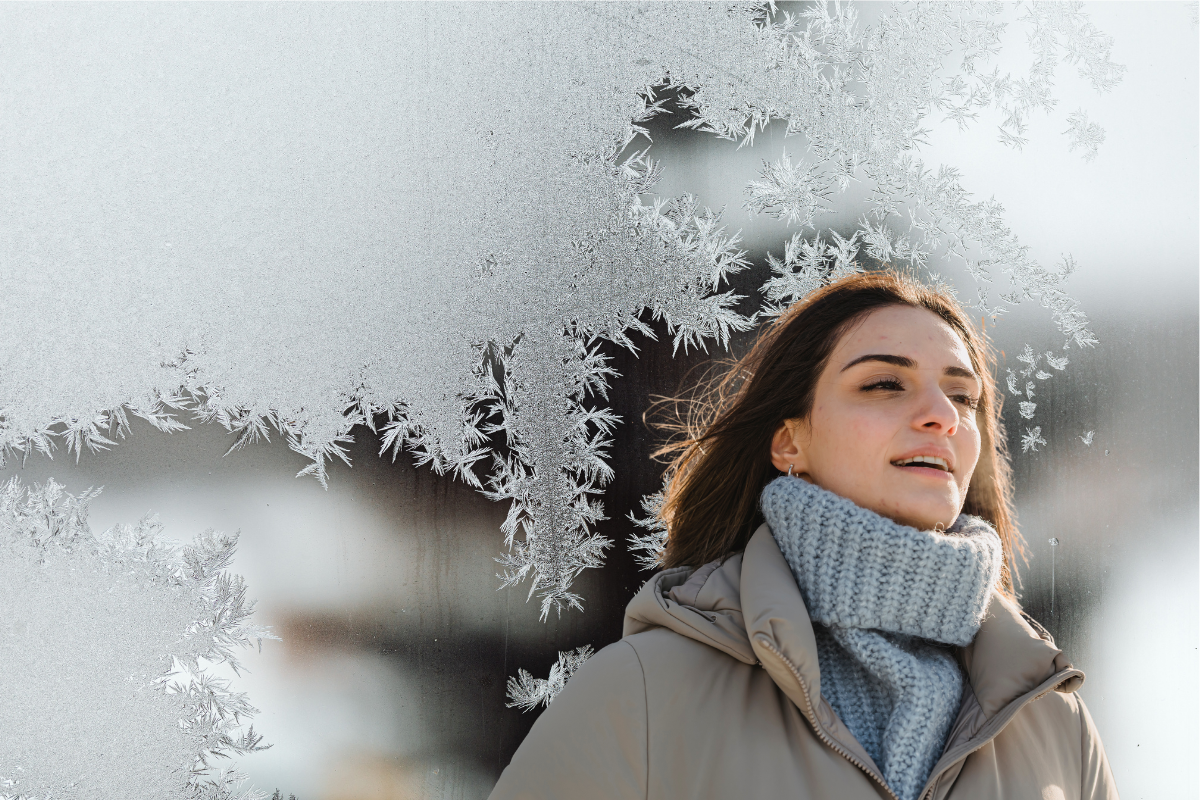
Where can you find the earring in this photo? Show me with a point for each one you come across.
(790, 469)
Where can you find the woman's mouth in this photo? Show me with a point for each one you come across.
(923, 469)
(931, 466)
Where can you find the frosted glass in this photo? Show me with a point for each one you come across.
(407, 237)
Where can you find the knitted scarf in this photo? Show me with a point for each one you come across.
(887, 600)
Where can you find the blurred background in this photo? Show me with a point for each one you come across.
(389, 679)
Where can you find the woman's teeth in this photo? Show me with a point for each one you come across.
(932, 461)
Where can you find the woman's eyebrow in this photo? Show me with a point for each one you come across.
(899, 361)
(908, 363)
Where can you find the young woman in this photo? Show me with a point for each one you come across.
(836, 618)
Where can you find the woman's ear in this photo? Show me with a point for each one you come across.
(787, 447)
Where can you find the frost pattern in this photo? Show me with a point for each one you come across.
(528, 692)
(648, 547)
(790, 190)
(806, 266)
(1084, 135)
(544, 418)
(476, 330)
(489, 326)
(1057, 31)
(131, 625)
(1031, 439)
(859, 96)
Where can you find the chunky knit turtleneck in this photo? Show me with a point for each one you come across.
(887, 600)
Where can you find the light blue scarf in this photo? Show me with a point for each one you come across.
(887, 600)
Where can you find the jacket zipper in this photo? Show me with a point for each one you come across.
(1053, 682)
(812, 718)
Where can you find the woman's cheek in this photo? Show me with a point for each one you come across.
(866, 428)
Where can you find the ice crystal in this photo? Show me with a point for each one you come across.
(1055, 362)
(886, 246)
(1084, 135)
(790, 190)
(1027, 409)
(1012, 383)
(1042, 375)
(1030, 359)
(1087, 438)
(1031, 439)
(528, 692)
(1066, 266)
(1057, 31)
(647, 547)
(801, 271)
(113, 637)
(843, 252)
(807, 265)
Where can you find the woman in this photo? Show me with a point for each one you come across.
(836, 618)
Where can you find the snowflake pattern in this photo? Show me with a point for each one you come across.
(1084, 135)
(158, 615)
(501, 332)
(1031, 439)
(527, 692)
(648, 547)
(789, 190)
(1057, 363)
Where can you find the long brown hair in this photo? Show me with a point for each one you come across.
(721, 450)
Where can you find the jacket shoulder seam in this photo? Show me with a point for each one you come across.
(705, 640)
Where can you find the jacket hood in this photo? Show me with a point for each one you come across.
(750, 602)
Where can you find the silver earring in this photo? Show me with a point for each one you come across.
(790, 469)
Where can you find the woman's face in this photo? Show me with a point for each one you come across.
(899, 384)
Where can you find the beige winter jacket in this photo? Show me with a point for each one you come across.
(714, 692)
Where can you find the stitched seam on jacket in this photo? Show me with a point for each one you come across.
(702, 634)
(1082, 730)
(646, 705)
(691, 601)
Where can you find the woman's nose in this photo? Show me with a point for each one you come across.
(937, 411)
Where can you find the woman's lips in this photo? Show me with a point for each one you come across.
(932, 472)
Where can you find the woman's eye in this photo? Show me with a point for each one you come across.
(968, 401)
(893, 385)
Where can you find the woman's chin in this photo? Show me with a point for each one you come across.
(922, 507)
(935, 513)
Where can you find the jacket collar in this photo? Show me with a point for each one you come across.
(702, 604)
(749, 605)
(1009, 658)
